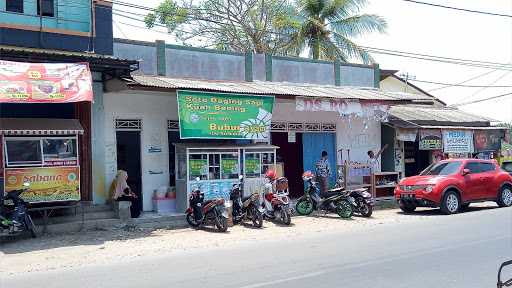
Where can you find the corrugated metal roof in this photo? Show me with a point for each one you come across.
(440, 116)
(6, 48)
(39, 126)
(276, 88)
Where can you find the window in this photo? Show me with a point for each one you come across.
(47, 8)
(442, 168)
(60, 150)
(23, 152)
(487, 167)
(507, 166)
(474, 167)
(198, 166)
(14, 6)
(229, 165)
(214, 167)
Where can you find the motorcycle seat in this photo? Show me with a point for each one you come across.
(245, 198)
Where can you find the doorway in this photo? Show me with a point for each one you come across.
(290, 153)
(313, 145)
(415, 160)
(128, 159)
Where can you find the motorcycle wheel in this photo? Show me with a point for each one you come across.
(304, 207)
(366, 210)
(221, 223)
(286, 217)
(344, 209)
(29, 225)
(257, 219)
(191, 220)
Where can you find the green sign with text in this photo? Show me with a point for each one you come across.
(224, 116)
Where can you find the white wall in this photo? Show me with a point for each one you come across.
(349, 135)
(154, 108)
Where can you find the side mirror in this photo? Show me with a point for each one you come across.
(466, 172)
(240, 177)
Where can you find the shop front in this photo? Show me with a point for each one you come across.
(43, 151)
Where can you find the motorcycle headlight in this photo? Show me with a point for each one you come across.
(429, 188)
(366, 194)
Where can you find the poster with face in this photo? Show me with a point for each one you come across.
(488, 140)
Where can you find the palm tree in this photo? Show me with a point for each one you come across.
(326, 27)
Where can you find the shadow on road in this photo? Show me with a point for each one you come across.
(437, 211)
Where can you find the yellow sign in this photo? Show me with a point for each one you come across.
(47, 184)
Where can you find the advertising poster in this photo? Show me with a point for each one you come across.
(252, 166)
(22, 82)
(430, 139)
(214, 189)
(458, 141)
(47, 184)
(488, 140)
(198, 167)
(229, 166)
(224, 116)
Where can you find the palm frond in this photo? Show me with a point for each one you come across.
(351, 49)
(358, 25)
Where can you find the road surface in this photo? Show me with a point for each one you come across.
(462, 250)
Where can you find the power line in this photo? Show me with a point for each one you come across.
(460, 85)
(481, 100)
(465, 81)
(459, 9)
(491, 83)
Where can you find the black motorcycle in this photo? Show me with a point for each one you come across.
(246, 207)
(16, 220)
(203, 212)
(333, 202)
(361, 200)
(503, 283)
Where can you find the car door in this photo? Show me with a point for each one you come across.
(489, 183)
(472, 181)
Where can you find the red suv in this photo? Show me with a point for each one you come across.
(453, 184)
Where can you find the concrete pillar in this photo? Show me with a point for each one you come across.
(248, 66)
(268, 67)
(376, 75)
(160, 58)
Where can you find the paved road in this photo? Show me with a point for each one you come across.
(442, 251)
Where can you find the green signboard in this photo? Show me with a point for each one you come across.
(198, 167)
(224, 116)
(229, 166)
(252, 166)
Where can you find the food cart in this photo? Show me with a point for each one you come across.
(218, 166)
(43, 152)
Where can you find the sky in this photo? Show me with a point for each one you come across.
(426, 30)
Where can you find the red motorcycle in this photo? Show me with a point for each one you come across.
(280, 202)
(207, 212)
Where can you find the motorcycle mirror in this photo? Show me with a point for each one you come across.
(26, 184)
(197, 178)
(241, 177)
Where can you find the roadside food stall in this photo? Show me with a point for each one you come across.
(44, 153)
(218, 168)
(224, 123)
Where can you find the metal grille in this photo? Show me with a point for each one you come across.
(329, 127)
(312, 127)
(295, 126)
(128, 124)
(173, 125)
(279, 126)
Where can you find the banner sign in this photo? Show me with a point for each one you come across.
(22, 82)
(488, 140)
(198, 167)
(458, 141)
(252, 166)
(431, 139)
(47, 184)
(214, 189)
(224, 116)
(408, 135)
(229, 166)
(344, 107)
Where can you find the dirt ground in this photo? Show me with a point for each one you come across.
(118, 245)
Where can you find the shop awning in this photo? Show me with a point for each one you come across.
(40, 126)
(416, 116)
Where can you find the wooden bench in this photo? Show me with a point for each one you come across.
(47, 211)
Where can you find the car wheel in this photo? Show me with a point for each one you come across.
(505, 197)
(407, 207)
(450, 203)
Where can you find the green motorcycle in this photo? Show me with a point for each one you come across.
(338, 203)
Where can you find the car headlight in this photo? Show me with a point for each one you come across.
(429, 188)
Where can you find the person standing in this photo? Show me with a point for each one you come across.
(373, 159)
(323, 172)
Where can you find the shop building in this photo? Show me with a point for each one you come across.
(142, 126)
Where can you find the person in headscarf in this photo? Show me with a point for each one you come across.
(122, 192)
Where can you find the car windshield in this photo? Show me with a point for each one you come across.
(442, 168)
